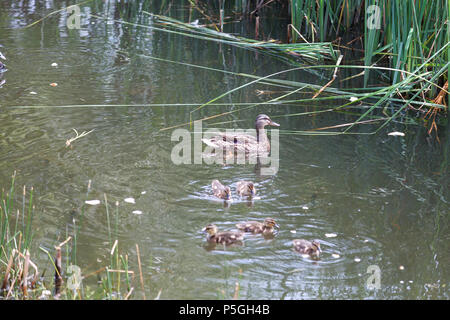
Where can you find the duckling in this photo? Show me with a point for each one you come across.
(246, 188)
(245, 142)
(221, 191)
(307, 247)
(224, 237)
(266, 227)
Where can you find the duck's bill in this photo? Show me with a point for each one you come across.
(272, 123)
(204, 229)
(277, 226)
(2, 56)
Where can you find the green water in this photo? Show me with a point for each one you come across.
(384, 198)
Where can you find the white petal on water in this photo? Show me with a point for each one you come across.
(353, 99)
(401, 268)
(357, 260)
(54, 64)
(32, 92)
(137, 212)
(330, 235)
(143, 192)
(305, 208)
(129, 200)
(93, 202)
(293, 231)
(396, 133)
(335, 255)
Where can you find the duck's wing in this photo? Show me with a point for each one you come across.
(230, 139)
(242, 187)
(218, 188)
(248, 226)
(229, 237)
(301, 245)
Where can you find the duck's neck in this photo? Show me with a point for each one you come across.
(261, 137)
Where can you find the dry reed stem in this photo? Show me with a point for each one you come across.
(140, 271)
(8, 269)
(332, 79)
(25, 274)
(129, 293)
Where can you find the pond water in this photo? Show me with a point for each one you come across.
(371, 200)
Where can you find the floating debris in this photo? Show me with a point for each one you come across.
(401, 268)
(330, 235)
(365, 241)
(53, 84)
(32, 92)
(402, 282)
(305, 208)
(45, 294)
(54, 64)
(143, 192)
(396, 133)
(293, 231)
(335, 255)
(357, 260)
(137, 212)
(78, 136)
(353, 99)
(93, 202)
(130, 200)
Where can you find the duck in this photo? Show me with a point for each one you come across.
(246, 188)
(307, 247)
(245, 142)
(266, 227)
(224, 237)
(221, 191)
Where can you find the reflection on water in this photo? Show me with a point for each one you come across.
(383, 200)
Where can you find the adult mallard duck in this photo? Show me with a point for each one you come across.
(224, 237)
(245, 142)
(221, 191)
(246, 189)
(307, 247)
(266, 227)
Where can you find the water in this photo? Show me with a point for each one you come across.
(385, 198)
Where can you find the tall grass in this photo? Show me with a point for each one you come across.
(22, 278)
(405, 32)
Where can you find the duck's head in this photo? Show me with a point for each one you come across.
(211, 229)
(227, 193)
(316, 247)
(263, 120)
(270, 223)
(251, 188)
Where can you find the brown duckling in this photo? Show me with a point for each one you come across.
(224, 237)
(266, 227)
(246, 189)
(245, 142)
(307, 247)
(221, 191)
